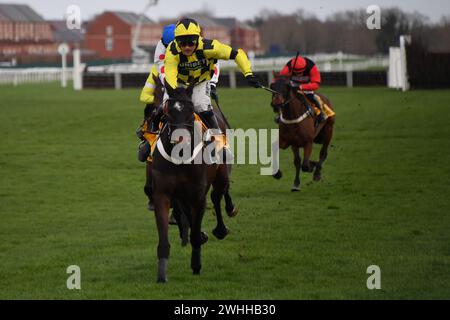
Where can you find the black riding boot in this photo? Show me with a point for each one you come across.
(143, 151)
(209, 118)
(312, 97)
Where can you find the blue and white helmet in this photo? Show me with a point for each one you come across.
(168, 34)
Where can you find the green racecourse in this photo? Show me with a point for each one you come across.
(71, 193)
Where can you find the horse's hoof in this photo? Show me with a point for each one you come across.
(307, 169)
(203, 238)
(162, 280)
(184, 242)
(278, 175)
(196, 271)
(317, 177)
(233, 212)
(295, 188)
(220, 233)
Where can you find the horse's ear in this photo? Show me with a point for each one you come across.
(275, 74)
(169, 89)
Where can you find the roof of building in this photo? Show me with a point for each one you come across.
(203, 21)
(62, 34)
(131, 17)
(19, 13)
(231, 23)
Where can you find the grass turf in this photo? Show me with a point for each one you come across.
(71, 192)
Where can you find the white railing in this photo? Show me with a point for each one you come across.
(32, 75)
(325, 62)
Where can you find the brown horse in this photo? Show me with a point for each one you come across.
(298, 130)
(186, 182)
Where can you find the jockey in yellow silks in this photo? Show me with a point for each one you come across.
(191, 59)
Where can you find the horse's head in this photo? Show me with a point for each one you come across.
(280, 84)
(180, 113)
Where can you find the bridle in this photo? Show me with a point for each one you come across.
(286, 99)
(286, 102)
(170, 126)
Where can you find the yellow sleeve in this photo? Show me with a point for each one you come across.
(171, 62)
(147, 93)
(243, 63)
(222, 51)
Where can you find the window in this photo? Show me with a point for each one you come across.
(109, 30)
(109, 44)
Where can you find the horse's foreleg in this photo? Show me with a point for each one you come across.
(307, 150)
(181, 215)
(162, 206)
(148, 189)
(298, 164)
(229, 205)
(221, 231)
(277, 174)
(196, 237)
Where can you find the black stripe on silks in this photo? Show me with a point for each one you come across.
(233, 54)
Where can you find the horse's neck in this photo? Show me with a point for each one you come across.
(295, 109)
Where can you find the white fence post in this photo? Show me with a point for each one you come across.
(77, 70)
(232, 75)
(349, 75)
(117, 81)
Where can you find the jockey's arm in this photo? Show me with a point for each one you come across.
(147, 93)
(285, 71)
(158, 59)
(314, 80)
(222, 51)
(215, 77)
(171, 62)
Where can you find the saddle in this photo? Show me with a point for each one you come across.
(326, 108)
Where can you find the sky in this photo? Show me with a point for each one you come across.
(241, 9)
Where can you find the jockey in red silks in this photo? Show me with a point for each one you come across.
(305, 73)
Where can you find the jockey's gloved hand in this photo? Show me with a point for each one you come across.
(253, 81)
(214, 95)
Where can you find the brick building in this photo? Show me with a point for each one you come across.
(24, 35)
(110, 35)
(242, 35)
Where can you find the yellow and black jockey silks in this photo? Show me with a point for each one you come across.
(148, 92)
(200, 65)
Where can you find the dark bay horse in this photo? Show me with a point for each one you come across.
(298, 130)
(186, 182)
(221, 183)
